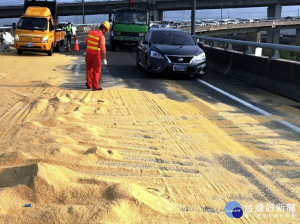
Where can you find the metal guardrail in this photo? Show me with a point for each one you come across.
(249, 44)
(5, 28)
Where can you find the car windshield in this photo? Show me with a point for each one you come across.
(172, 38)
(30, 23)
(165, 22)
(62, 25)
(131, 17)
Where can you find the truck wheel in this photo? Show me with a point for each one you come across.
(19, 51)
(57, 47)
(113, 45)
(50, 52)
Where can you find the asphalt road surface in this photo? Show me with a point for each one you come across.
(214, 88)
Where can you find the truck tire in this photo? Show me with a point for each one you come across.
(113, 45)
(57, 47)
(19, 51)
(50, 52)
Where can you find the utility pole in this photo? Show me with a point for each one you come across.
(193, 17)
(83, 17)
(221, 9)
(153, 17)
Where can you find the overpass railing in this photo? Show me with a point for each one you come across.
(249, 45)
(5, 28)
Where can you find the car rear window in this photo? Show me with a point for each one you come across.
(172, 38)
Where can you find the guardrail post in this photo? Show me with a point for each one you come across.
(249, 50)
(258, 51)
(228, 47)
(275, 55)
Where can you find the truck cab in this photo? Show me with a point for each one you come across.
(128, 27)
(35, 31)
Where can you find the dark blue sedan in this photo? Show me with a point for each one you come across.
(170, 51)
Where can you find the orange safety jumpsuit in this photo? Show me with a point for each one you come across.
(95, 41)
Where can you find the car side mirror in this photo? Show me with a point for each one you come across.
(14, 26)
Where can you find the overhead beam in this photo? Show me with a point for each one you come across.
(106, 7)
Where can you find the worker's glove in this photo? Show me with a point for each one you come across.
(104, 62)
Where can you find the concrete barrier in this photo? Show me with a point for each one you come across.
(281, 77)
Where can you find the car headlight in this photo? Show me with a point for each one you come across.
(141, 34)
(154, 54)
(17, 37)
(45, 39)
(200, 57)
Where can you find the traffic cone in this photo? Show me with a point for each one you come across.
(76, 46)
(68, 46)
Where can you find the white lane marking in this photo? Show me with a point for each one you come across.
(263, 112)
(77, 68)
(70, 67)
(291, 126)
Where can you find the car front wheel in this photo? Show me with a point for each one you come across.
(199, 75)
(147, 67)
(137, 61)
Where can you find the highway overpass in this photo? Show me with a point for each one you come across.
(224, 29)
(106, 7)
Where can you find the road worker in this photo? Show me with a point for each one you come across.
(69, 33)
(95, 50)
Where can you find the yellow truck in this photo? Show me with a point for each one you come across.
(35, 31)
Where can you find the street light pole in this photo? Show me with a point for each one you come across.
(153, 17)
(83, 17)
(221, 9)
(193, 17)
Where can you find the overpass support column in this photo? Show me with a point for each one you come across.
(254, 36)
(156, 15)
(55, 20)
(273, 34)
(160, 15)
(274, 11)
